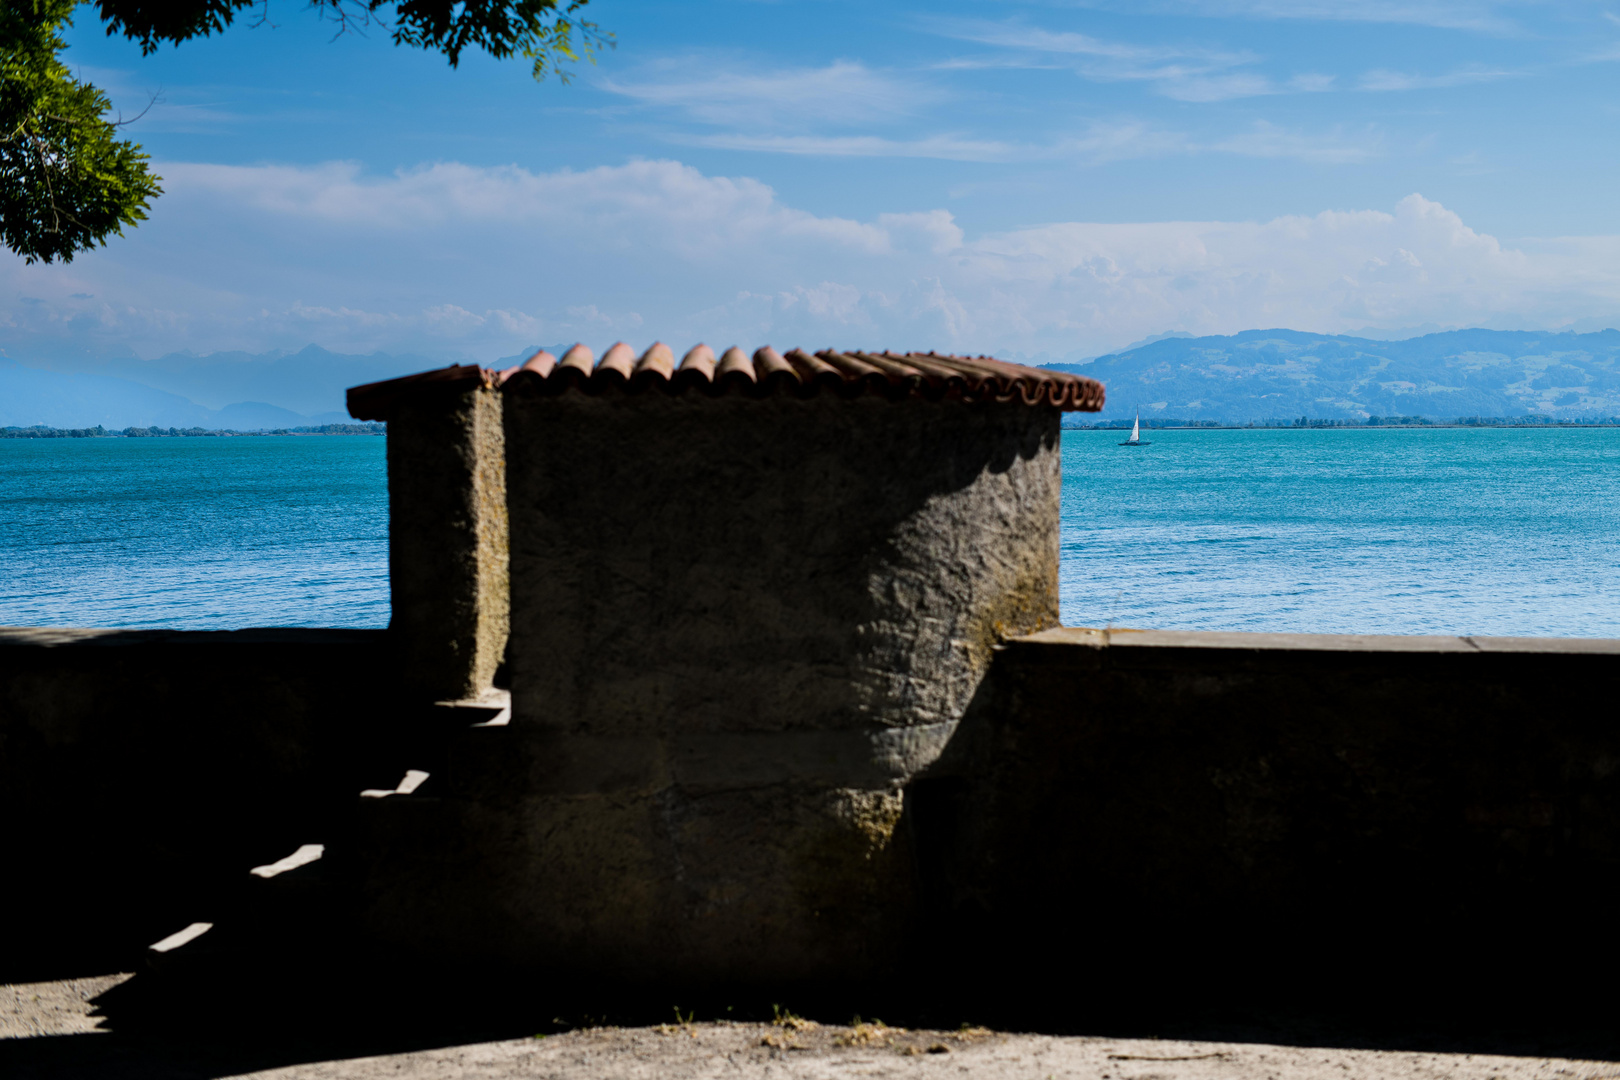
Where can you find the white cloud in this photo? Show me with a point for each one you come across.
(832, 111)
(1446, 14)
(1096, 144)
(466, 261)
(939, 147)
(1481, 16)
(1381, 80)
(664, 203)
(1312, 83)
(1183, 72)
(1333, 148)
(841, 93)
(999, 62)
(1016, 35)
(1604, 55)
(1238, 84)
(1201, 74)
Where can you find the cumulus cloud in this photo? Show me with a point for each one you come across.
(658, 201)
(451, 259)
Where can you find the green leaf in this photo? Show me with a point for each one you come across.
(67, 181)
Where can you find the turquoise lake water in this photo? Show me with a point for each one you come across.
(1477, 531)
(1396, 531)
(199, 533)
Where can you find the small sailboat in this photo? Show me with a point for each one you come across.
(1136, 434)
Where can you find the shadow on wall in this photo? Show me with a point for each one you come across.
(143, 772)
(1427, 827)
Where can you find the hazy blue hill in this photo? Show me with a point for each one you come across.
(257, 416)
(1265, 374)
(310, 382)
(29, 396)
(234, 390)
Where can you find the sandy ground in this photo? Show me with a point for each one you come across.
(794, 1049)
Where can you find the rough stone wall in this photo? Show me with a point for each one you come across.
(686, 564)
(739, 626)
(447, 543)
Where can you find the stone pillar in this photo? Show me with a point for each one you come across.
(447, 535)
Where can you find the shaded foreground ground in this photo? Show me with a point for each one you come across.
(109, 1026)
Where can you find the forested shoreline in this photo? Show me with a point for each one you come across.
(98, 432)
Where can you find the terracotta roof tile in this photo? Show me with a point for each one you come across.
(848, 374)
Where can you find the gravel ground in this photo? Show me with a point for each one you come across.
(791, 1049)
(52, 1008)
(702, 1051)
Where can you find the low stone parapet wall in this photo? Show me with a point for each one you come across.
(1296, 810)
(1192, 807)
(143, 771)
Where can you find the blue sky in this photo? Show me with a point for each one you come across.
(1029, 180)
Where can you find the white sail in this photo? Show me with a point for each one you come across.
(1136, 429)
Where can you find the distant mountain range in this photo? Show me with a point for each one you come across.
(233, 390)
(227, 390)
(1262, 375)
(1257, 375)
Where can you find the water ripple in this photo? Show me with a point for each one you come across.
(1453, 530)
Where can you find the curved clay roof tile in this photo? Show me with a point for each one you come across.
(892, 375)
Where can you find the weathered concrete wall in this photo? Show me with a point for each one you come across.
(447, 539)
(1220, 812)
(739, 626)
(143, 771)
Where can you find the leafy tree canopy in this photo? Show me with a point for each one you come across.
(544, 31)
(68, 182)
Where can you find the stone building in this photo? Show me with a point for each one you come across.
(751, 598)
